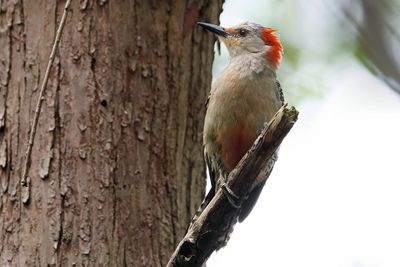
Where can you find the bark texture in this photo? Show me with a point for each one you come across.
(116, 169)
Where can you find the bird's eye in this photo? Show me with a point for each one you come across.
(242, 32)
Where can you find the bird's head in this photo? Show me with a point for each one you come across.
(249, 38)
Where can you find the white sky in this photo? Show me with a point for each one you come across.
(333, 198)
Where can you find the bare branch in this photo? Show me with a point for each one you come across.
(377, 37)
(32, 130)
(214, 223)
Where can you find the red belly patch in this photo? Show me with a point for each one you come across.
(233, 144)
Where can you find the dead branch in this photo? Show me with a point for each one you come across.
(213, 224)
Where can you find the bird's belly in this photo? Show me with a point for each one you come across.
(233, 143)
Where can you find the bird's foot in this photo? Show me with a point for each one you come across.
(231, 196)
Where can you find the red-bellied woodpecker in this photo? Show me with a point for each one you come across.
(243, 98)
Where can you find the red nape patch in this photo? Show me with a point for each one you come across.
(274, 54)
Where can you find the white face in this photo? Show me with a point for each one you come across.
(244, 39)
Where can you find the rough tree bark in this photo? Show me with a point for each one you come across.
(116, 168)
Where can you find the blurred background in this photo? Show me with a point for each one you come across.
(333, 198)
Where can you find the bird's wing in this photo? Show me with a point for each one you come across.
(280, 92)
(211, 173)
(208, 100)
(210, 170)
(210, 193)
(212, 176)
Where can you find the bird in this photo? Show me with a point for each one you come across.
(243, 98)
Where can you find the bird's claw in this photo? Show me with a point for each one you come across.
(231, 196)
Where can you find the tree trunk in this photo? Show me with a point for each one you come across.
(116, 168)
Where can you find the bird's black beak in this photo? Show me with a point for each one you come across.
(218, 30)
